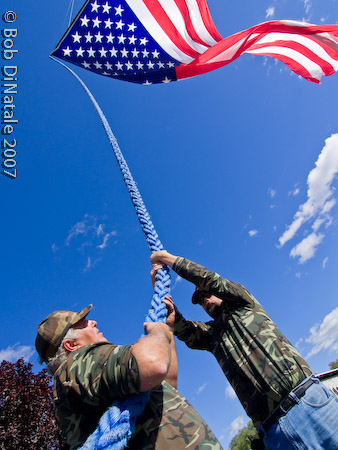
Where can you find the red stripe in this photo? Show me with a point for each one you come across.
(168, 27)
(295, 67)
(182, 6)
(207, 20)
(330, 47)
(326, 66)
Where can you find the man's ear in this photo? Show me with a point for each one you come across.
(70, 345)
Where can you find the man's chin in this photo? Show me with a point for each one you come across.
(215, 311)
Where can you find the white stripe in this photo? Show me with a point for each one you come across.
(176, 17)
(315, 47)
(295, 23)
(153, 28)
(314, 69)
(198, 24)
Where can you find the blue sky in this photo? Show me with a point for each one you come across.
(237, 167)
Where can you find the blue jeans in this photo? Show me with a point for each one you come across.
(311, 424)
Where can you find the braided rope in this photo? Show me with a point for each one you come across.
(118, 422)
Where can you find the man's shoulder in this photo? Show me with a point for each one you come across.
(88, 359)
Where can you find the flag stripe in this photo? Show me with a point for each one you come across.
(298, 68)
(207, 19)
(157, 32)
(179, 22)
(160, 27)
(310, 44)
(314, 69)
(194, 22)
(328, 65)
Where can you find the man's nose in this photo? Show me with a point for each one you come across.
(93, 323)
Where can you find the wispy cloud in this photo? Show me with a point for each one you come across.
(253, 233)
(307, 5)
(106, 238)
(178, 279)
(89, 237)
(272, 192)
(15, 352)
(86, 227)
(307, 248)
(324, 335)
(230, 393)
(319, 203)
(90, 263)
(236, 425)
(269, 12)
(325, 262)
(295, 191)
(201, 388)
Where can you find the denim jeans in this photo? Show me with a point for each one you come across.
(311, 424)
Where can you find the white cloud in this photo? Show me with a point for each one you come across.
(295, 191)
(178, 279)
(307, 248)
(86, 226)
(272, 192)
(15, 352)
(90, 264)
(307, 5)
(230, 393)
(319, 203)
(89, 237)
(236, 425)
(201, 388)
(325, 262)
(253, 233)
(324, 335)
(270, 12)
(107, 236)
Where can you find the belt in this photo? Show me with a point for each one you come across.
(288, 402)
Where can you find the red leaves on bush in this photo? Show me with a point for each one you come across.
(27, 420)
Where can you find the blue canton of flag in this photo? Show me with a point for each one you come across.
(106, 37)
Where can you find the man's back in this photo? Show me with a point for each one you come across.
(91, 378)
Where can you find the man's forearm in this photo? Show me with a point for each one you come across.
(173, 368)
(163, 257)
(153, 355)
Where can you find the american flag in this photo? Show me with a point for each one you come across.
(159, 41)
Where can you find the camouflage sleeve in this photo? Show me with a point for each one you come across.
(231, 292)
(194, 334)
(102, 372)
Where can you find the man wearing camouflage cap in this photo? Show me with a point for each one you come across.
(289, 406)
(90, 374)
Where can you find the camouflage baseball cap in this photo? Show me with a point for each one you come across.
(53, 329)
(197, 295)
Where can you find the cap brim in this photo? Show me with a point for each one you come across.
(196, 296)
(80, 315)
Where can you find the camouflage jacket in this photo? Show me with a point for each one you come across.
(91, 378)
(257, 359)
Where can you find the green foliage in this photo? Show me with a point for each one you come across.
(27, 420)
(243, 439)
(334, 365)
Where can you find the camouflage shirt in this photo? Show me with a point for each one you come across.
(91, 378)
(257, 359)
